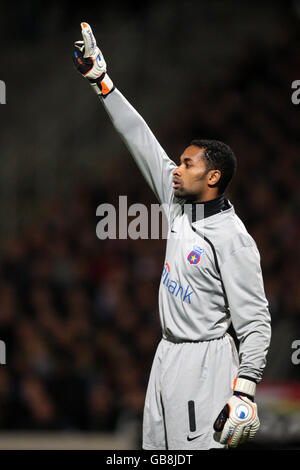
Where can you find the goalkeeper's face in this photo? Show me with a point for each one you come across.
(192, 180)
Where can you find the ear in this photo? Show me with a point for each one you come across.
(213, 177)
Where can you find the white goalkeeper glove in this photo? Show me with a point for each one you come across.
(238, 420)
(89, 61)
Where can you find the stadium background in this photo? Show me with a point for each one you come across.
(79, 315)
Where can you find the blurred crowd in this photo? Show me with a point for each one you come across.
(79, 315)
(79, 319)
(79, 322)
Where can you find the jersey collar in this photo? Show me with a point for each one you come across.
(203, 210)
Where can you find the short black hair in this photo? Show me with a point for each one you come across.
(218, 156)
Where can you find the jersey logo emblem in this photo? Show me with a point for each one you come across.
(195, 255)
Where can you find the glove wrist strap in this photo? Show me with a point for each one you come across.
(102, 85)
(244, 386)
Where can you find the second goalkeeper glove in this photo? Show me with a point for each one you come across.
(238, 420)
(90, 63)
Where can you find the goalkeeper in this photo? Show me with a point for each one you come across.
(201, 392)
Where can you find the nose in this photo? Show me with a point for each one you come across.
(176, 171)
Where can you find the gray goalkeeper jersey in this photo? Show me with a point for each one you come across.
(211, 274)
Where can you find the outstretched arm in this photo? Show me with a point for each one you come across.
(150, 157)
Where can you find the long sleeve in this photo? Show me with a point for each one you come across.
(150, 157)
(243, 282)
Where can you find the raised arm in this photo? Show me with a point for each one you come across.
(150, 157)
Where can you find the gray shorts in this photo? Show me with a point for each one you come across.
(188, 386)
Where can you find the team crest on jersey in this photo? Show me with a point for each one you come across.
(195, 255)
